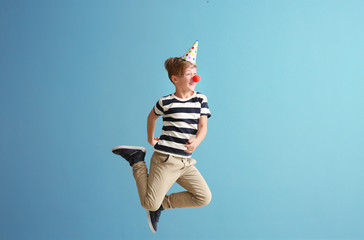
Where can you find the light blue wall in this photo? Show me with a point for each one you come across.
(284, 154)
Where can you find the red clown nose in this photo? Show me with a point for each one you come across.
(196, 78)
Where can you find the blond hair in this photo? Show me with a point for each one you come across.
(176, 66)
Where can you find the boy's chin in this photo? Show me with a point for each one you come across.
(192, 88)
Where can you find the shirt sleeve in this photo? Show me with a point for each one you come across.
(205, 110)
(158, 108)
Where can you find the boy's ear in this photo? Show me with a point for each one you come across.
(174, 78)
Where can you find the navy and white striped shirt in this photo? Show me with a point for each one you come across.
(180, 122)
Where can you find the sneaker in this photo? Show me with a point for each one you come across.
(130, 153)
(153, 218)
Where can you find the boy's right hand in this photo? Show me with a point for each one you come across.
(154, 141)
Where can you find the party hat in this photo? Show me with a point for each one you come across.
(191, 54)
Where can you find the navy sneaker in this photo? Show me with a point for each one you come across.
(153, 218)
(130, 153)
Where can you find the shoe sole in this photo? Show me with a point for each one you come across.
(150, 223)
(129, 147)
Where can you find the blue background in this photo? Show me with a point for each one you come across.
(284, 152)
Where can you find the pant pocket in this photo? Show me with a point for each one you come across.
(165, 160)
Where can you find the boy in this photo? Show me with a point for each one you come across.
(185, 114)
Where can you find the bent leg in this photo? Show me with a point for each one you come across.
(152, 189)
(198, 193)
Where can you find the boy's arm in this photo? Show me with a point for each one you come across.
(152, 121)
(200, 135)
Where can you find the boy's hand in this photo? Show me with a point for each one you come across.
(190, 146)
(154, 141)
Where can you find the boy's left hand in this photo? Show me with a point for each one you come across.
(190, 146)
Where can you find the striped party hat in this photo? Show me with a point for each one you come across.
(191, 54)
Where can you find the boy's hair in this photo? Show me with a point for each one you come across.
(176, 66)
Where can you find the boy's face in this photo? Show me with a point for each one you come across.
(185, 82)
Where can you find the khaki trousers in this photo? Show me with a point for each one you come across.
(164, 171)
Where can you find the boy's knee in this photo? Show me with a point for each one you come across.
(205, 199)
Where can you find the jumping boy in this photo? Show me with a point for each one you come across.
(185, 115)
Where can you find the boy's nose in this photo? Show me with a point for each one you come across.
(196, 78)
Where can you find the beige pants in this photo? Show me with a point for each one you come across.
(164, 171)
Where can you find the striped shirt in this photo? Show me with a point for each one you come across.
(180, 122)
